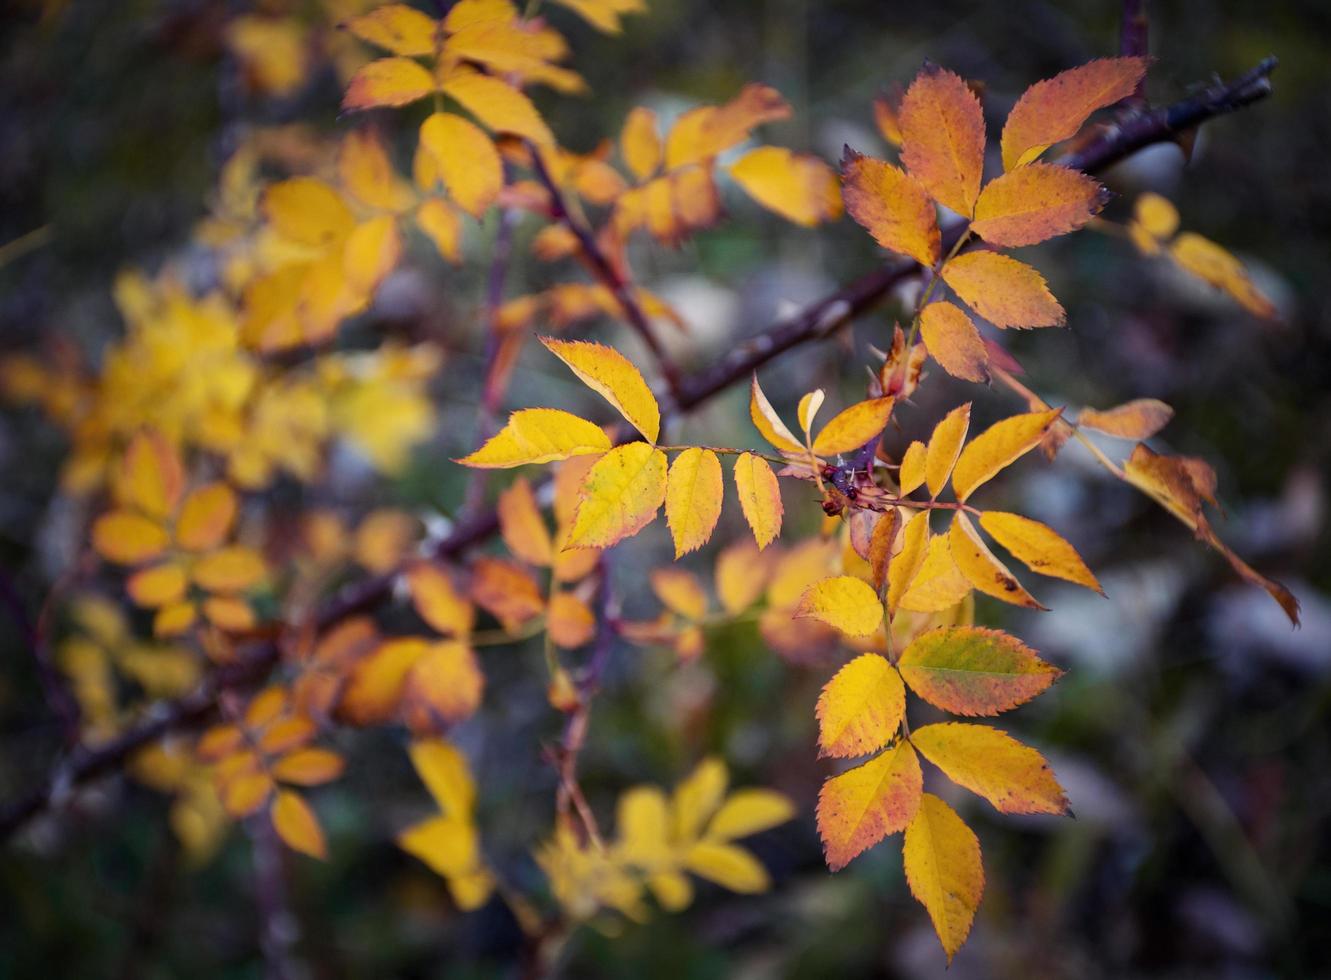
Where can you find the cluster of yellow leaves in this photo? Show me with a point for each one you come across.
(1154, 230)
(674, 190)
(962, 670)
(101, 651)
(185, 369)
(939, 127)
(661, 838)
(177, 542)
(197, 817)
(624, 489)
(257, 758)
(449, 843)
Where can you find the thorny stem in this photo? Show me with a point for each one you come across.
(817, 321)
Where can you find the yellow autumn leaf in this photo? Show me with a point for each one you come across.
(1036, 202)
(206, 517)
(944, 447)
(954, 342)
(539, 435)
(1004, 291)
(310, 766)
(797, 186)
(768, 423)
(611, 375)
(437, 599)
(860, 807)
(231, 569)
(604, 14)
(807, 409)
(127, 538)
(759, 497)
(1039, 547)
(694, 489)
(990, 763)
(982, 568)
(749, 811)
(843, 602)
(157, 585)
(892, 207)
(944, 870)
(903, 568)
(498, 105)
(151, 477)
(640, 143)
(680, 591)
(942, 138)
(1054, 110)
(741, 576)
(728, 866)
(621, 495)
(297, 825)
(1212, 264)
(1156, 216)
(938, 583)
(441, 224)
(387, 82)
(443, 769)
(860, 708)
(911, 475)
(1000, 445)
(397, 28)
(465, 159)
(852, 429)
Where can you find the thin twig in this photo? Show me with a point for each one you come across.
(607, 272)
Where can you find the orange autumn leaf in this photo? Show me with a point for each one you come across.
(954, 342)
(522, 526)
(206, 517)
(1054, 110)
(1036, 202)
(968, 670)
(1004, 291)
(297, 825)
(891, 206)
(860, 807)
(942, 138)
(990, 763)
(860, 708)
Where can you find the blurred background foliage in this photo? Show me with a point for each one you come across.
(1191, 731)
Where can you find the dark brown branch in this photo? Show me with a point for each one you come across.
(820, 320)
(830, 314)
(606, 272)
